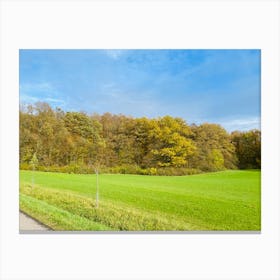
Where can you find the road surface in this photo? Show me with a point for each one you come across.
(27, 223)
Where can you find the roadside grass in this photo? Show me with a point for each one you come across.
(118, 217)
(228, 200)
(57, 218)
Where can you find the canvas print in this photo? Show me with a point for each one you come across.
(139, 140)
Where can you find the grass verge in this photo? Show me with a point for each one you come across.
(57, 218)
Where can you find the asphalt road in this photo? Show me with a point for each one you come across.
(27, 223)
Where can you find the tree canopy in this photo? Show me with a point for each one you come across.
(59, 138)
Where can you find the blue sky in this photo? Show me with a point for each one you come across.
(219, 86)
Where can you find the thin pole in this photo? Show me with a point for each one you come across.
(97, 188)
(33, 171)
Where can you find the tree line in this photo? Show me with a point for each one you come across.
(79, 142)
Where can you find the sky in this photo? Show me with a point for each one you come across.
(215, 86)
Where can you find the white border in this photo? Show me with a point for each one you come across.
(145, 24)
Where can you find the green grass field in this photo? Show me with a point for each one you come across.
(228, 200)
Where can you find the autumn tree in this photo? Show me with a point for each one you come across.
(28, 133)
(214, 148)
(59, 138)
(172, 145)
(118, 136)
(85, 139)
(248, 148)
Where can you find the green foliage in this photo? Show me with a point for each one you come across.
(123, 169)
(177, 171)
(214, 148)
(248, 148)
(216, 160)
(72, 168)
(34, 161)
(228, 200)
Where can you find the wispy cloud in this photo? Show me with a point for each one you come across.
(117, 100)
(54, 100)
(114, 54)
(24, 98)
(42, 87)
(43, 92)
(108, 85)
(242, 124)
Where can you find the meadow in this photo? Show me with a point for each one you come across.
(224, 201)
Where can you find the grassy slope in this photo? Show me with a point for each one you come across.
(227, 200)
(57, 218)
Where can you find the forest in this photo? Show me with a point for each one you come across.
(78, 142)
